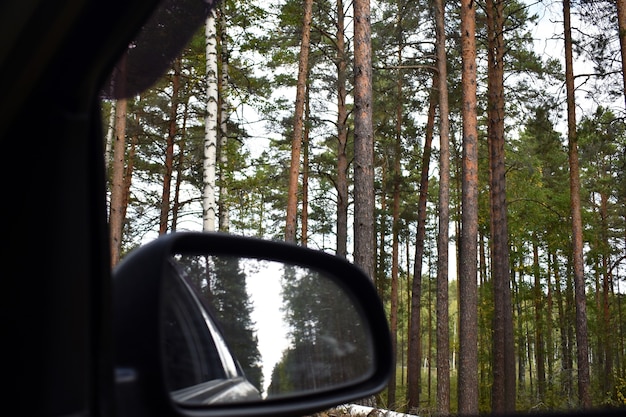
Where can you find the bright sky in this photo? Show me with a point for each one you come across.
(264, 290)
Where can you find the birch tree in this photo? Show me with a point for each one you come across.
(172, 132)
(210, 125)
(116, 218)
(223, 214)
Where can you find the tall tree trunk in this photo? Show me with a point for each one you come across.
(116, 207)
(539, 308)
(393, 296)
(130, 165)
(443, 239)
(222, 87)
(342, 136)
(521, 347)
(607, 286)
(468, 256)
(395, 227)
(566, 363)
(570, 319)
(180, 166)
(621, 26)
(430, 333)
(503, 390)
(364, 236)
(582, 343)
(304, 238)
(415, 340)
(364, 253)
(298, 124)
(550, 357)
(108, 146)
(380, 279)
(169, 150)
(210, 125)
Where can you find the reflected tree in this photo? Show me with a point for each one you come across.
(221, 281)
(328, 346)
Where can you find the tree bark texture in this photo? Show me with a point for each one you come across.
(116, 207)
(304, 238)
(209, 208)
(223, 104)
(443, 239)
(342, 136)
(169, 150)
(503, 390)
(298, 124)
(468, 256)
(415, 339)
(582, 343)
(395, 255)
(364, 252)
(621, 27)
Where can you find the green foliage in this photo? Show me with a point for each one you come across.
(221, 281)
(262, 41)
(327, 346)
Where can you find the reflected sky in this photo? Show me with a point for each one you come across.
(265, 293)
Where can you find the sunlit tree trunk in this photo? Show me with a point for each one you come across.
(582, 343)
(364, 200)
(108, 146)
(298, 124)
(116, 205)
(210, 126)
(364, 253)
(468, 256)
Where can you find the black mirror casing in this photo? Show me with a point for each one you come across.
(137, 303)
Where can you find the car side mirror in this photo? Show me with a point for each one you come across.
(209, 324)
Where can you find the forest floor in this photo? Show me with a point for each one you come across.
(352, 410)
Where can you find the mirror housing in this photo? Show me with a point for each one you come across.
(139, 299)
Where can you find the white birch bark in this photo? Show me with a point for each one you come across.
(210, 139)
(224, 221)
(109, 138)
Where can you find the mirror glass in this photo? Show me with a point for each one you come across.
(239, 329)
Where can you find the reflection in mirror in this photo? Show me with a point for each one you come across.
(199, 367)
(289, 329)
